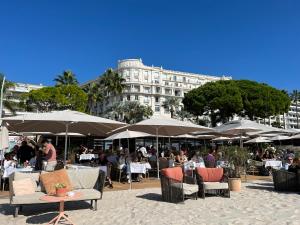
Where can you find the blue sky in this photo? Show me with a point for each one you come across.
(257, 40)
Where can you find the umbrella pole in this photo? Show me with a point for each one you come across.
(157, 161)
(241, 141)
(66, 142)
(56, 141)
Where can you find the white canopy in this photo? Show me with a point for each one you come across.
(56, 122)
(258, 140)
(62, 121)
(128, 134)
(221, 139)
(296, 136)
(185, 136)
(280, 138)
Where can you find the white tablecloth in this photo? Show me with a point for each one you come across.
(273, 163)
(25, 169)
(192, 165)
(88, 156)
(139, 167)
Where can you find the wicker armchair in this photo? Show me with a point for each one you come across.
(175, 187)
(212, 179)
(285, 181)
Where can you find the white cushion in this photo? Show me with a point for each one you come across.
(215, 185)
(189, 189)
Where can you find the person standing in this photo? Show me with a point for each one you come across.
(50, 155)
(25, 152)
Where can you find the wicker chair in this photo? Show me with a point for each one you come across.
(175, 187)
(285, 181)
(212, 179)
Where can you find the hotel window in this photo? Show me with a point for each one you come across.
(174, 78)
(146, 99)
(136, 97)
(184, 79)
(158, 90)
(157, 108)
(157, 99)
(135, 74)
(128, 97)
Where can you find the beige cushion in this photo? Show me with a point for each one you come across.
(49, 180)
(24, 186)
(189, 189)
(87, 194)
(28, 199)
(35, 176)
(84, 178)
(215, 185)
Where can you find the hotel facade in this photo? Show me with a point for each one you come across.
(150, 85)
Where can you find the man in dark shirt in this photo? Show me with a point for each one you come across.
(25, 152)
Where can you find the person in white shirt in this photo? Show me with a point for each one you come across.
(9, 165)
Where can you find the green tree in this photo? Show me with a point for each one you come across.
(94, 93)
(135, 112)
(171, 104)
(182, 115)
(7, 102)
(66, 78)
(295, 97)
(55, 98)
(220, 100)
(112, 82)
(262, 100)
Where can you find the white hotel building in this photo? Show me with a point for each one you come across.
(152, 85)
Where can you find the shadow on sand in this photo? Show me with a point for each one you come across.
(151, 196)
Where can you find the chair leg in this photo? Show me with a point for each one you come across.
(21, 208)
(16, 211)
(92, 204)
(120, 173)
(95, 205)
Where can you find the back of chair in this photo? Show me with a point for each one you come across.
(163, 163)
(173, 173)
(210, 174)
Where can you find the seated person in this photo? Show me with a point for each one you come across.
(295, 165)
(181, 158)
(209, 160)
(8, 165)
(102, 161)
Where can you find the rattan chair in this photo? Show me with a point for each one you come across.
(175, 187)
(285, 181)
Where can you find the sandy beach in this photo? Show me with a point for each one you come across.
(256, 204)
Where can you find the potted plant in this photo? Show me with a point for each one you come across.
(237, 158)
(61, 190)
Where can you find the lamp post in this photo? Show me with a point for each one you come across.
(1, 99)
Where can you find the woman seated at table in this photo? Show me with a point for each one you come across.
(181, 158)
(102, 161)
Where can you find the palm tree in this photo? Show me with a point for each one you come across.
(66, 78)
(7, 103)
(182, 114)
(171, 104)
(295, 96)
(94, 93)
(112, 82)
(134, 112)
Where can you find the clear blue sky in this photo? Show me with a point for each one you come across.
(254, 39)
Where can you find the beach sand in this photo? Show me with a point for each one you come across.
(257, 203)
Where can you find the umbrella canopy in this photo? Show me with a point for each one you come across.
(185, 136)
(280, 138)
(239, 137)
(258, 140)
(165, 126)
(128, 134)
(4, 142)
(221, 139)
(56, 122)
(296, 136)
(205, 136)
(70, 134)
(62, 121)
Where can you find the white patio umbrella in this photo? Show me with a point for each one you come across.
(62, 121)
(127, 134)
(162, 125)
(239, 127)
(258, 140)
(280, 138)
(297, 136)
(221, 138)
